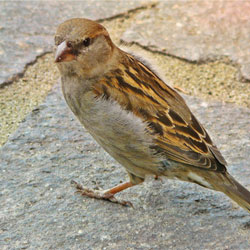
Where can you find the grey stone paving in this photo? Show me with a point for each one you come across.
(196, 32)
(40, 210)
(27, 27)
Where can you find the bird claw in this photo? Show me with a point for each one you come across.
(158, 178)
(99, 194)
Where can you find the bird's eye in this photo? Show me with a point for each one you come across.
(86, 42)
(69, 44)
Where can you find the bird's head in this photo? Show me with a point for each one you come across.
(83, 47)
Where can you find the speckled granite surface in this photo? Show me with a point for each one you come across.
(202, 31)
(40, 210)
(27, 27)
(38, 206)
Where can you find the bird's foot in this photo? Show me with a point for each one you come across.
(158, 178)
(99, 194)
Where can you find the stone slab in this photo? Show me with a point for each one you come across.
(196, 31)
(39, 209)
(27, 27)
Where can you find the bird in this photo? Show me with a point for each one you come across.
(141, 121)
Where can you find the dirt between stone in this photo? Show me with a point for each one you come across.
(216, 80)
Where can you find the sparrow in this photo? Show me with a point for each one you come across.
(134, 115)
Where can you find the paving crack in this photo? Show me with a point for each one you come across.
(28, 89)
(129, 12)
(19, 75)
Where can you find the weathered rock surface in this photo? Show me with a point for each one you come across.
(40, 210)
(27, 27)
(196, 32)
(38, 206)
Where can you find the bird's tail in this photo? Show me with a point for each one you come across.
(234, 190)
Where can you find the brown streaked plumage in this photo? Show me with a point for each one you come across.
(137, 118)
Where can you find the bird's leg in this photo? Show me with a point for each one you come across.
(105, 194)
(158, 178)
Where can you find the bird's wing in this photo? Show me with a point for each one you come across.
(178, 135)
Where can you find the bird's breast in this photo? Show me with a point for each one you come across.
(122, 134)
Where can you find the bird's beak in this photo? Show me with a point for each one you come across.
(64, 53)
